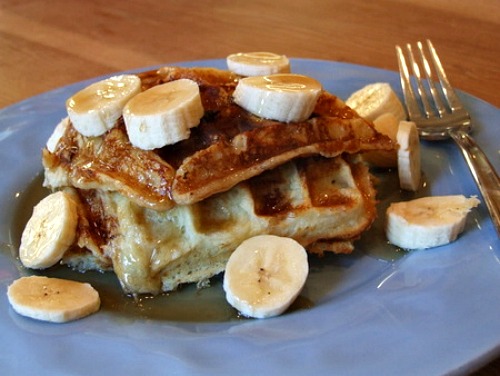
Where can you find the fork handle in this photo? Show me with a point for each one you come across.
(483, 172)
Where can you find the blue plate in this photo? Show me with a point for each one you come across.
(373, 312)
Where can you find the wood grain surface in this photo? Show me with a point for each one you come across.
(47, 44)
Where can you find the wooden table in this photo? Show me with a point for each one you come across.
(48, 44)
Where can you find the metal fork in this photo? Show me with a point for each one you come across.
(444, 116)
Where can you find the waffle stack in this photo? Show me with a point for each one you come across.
(322, 203)
(170, 216)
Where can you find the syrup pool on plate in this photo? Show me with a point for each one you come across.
(189, 303)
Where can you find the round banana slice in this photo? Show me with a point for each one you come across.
(164, 114)
(386, 124)
(257, 63)
(52, 299)
(427, 222)
(408, 156)
(376, 99)
(57, 134)
(284, 97)
(264, 275)
(94, 110)
(50, 231)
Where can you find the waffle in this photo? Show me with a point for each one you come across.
(323, 203)
(229, 146)
(171, 216)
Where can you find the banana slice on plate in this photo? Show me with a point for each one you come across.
(284, 97)
(94, 110)
(386, 124)
(264, 275)
(376, 99)
(52, 299)
(164, 114)
(427, 222)
(408, 156)
(50, 231)
(57, 134)
(257, 63)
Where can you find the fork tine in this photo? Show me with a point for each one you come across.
(438, 103)
(448, 91)
(410, 99)
(420, 86)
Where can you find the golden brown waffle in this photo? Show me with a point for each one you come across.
(229, 146)
(173, 215)
(323, 203)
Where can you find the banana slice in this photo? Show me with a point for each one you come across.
(164, 114)
(376, 99)
(50, 231)
(257, 63)
(264, 275)
(386, 124)
(408, 156)
(52, 299)
(57, 134)
(95, 109)
(284, 97)
(427, 222)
